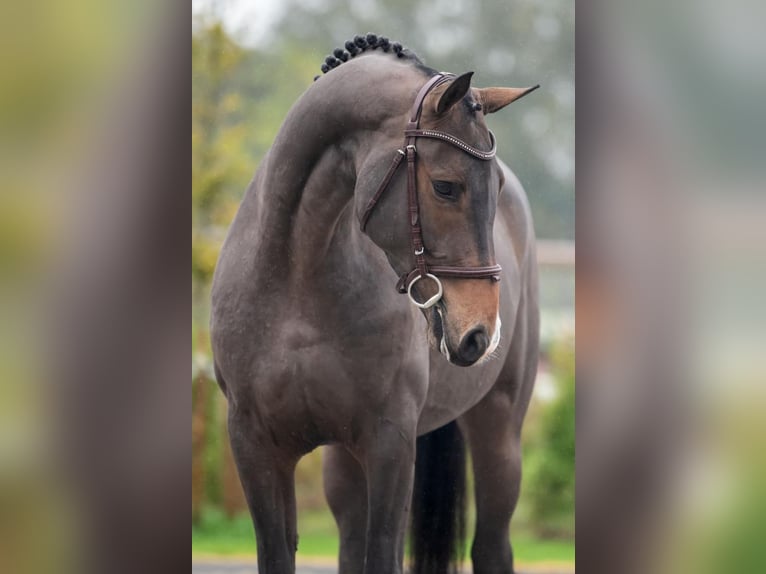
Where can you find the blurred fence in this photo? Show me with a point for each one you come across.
(556, 253)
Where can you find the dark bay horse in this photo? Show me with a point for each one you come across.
(383, 169)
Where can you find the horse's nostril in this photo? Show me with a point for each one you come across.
(473, 346)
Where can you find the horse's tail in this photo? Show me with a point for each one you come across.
(438, 502)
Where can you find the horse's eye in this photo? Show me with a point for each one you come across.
(445, 189)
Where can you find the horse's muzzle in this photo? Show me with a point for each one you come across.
(472, 347)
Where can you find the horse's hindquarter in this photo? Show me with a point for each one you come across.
(452, 389)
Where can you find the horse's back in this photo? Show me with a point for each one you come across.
(514, 229)
(516, 250)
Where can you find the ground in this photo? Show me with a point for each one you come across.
(248, 567)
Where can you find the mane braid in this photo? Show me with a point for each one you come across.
(362, 44)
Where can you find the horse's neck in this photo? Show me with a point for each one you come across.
(304, 192)
(322, 209)
(302, 199)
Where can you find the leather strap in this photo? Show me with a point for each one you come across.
(416, 232)
(417, 106)
(411, 133)
(490, 272)
(383, 185)
(401, 153)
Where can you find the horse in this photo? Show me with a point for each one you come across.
(387, 312)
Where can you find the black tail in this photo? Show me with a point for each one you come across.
(438, 502)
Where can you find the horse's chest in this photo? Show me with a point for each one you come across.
(454, 390)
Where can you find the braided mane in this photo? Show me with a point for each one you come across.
(361, 44)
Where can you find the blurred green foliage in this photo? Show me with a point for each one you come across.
(549, 452)
(219, 139)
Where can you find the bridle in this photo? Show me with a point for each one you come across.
(422, 269)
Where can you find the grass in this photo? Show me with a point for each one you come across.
(220, 536)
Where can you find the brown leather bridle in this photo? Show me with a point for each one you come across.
(422, 268)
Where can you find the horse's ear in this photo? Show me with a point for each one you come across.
(455, 92)
(493, 99)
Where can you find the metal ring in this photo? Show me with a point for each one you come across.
(433, 300)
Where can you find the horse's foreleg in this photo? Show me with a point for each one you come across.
(389, 455)
(496, 456)
(346, 490)
(268, 479)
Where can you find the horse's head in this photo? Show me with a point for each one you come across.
(457, 192)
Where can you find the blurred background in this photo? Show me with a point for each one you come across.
(250, 62)
(671, 266)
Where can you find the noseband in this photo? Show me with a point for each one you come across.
(422, 269)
